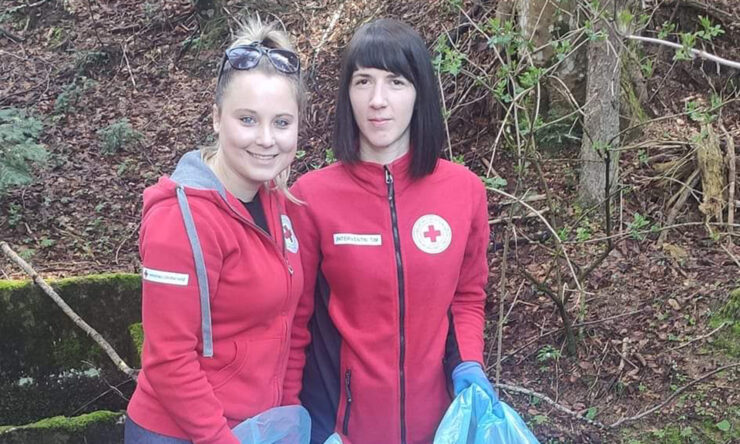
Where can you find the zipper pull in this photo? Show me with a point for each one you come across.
(388, 177)
(290, 269)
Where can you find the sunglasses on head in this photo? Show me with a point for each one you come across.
(244, 57)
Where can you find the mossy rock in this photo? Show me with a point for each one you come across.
(101, 427)
(44, 356)
(39, 339)
(136, 331)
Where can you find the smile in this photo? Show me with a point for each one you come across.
(262, 156)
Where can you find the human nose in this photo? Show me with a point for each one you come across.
(378, 99)
(265, 137)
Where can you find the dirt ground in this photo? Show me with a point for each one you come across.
(155, 64)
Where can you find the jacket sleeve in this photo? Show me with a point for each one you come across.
(465, 340)
(309, 239)
(172, 323)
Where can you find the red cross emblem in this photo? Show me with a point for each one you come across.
(287, 233)
(432, 234)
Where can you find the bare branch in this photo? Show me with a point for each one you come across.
(697, 52)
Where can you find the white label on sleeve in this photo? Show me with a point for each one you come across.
(165, 277)
(370, 240)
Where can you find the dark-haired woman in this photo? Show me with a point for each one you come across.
(393, 243)
(221, 273)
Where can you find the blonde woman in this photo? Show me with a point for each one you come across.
(220, 264)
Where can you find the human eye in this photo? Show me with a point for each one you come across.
(360, 81)
(399, 81)
(282, 123)
(248, 120)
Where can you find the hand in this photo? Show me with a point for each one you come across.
(469, 372)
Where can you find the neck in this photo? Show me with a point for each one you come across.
(384, 154)
(231, 180)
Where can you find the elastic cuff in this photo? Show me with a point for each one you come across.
(465, 366)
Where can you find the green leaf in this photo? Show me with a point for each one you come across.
(724, 425)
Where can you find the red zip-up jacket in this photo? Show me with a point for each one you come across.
(217, 355)
(395, 272)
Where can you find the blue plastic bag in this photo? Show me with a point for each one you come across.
(333, 439)
(470, 420)
(280, 425)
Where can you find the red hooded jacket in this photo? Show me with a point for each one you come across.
(217, 322)
(395, 270)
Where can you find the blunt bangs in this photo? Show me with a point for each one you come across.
(381, 52)
(395, 47)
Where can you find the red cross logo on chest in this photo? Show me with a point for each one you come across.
(432, 233)
(287, 232)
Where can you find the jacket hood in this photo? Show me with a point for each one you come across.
(191, 173)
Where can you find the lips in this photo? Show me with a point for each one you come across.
(262, 156)
(378, 121)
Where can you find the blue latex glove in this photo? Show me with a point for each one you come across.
(468, 373)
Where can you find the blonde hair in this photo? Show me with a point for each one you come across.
(269, 36)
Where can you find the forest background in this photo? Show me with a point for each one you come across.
(605, 131)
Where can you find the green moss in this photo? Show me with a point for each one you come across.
(728, 339)
(12, 285)
(137, 336)
(122, 281)
(74, 424)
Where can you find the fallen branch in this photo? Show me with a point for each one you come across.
(557, 406)
(529, 215)
(699, 338)
(38, 280)
(683, 197)
(673, 395)
(25, 6)
(696, 52)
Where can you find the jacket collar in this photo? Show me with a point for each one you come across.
(372, 176)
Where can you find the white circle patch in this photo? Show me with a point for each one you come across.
(431, 234)
(291, 241)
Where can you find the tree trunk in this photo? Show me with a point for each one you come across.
(601, 121)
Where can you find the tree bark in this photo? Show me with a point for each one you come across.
(601, 121)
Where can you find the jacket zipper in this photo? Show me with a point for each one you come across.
(348, 406)
(401, 305)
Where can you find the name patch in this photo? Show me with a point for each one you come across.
(165, 277)
(369, 240)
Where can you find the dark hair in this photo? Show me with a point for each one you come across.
(392, 46)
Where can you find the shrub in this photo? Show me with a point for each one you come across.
(117, 135)
(19, 147)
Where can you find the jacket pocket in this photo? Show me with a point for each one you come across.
(348, 401)
(231, 369)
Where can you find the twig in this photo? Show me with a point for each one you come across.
(732, 256)
(130, 73)
(38, 280)
(25, 6)
(683, 197)
(732, 176)
(697, 52)
(721, 326)
(547, 399)
(499, 220)
(11, 36)
(502, 299)
(325, 36)
(673, 395)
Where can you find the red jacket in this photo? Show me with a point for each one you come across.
(253, 284)
(395, 271)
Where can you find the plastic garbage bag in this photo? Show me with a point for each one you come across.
(333, 439)
(470, 420)
(280, 425)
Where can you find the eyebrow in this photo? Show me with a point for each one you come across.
(247, 110)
